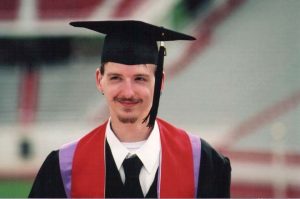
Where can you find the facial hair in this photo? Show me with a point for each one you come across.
(127, 120)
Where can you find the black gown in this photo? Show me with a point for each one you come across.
(214, 177)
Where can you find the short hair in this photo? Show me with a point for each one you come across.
(102, 68)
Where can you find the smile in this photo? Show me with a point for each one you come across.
(127, 102)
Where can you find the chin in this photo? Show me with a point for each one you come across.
(128, 120)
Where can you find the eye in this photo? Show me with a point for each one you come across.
(141, 79)
(113, 78)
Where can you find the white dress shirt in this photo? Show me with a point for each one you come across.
(148, 151)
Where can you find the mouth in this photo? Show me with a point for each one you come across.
(128, 102)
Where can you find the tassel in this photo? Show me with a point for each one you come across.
(157, 87)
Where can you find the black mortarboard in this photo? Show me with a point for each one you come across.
(135, 42)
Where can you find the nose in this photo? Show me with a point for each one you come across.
(127, 89)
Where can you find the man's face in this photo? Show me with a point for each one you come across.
(128, 90)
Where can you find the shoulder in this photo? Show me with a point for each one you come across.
(215, 173)
(212, 156)
(52, 160)
(48, 182)
(50, 165)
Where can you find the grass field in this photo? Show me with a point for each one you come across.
(14, 188)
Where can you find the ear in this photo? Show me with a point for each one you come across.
(99, 77)
(162, 82)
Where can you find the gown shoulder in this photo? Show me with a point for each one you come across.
(48, 182)
(215, 173)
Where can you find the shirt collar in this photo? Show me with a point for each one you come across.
(149, 153)
(118, 150)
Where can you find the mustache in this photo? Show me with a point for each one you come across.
(127, 100)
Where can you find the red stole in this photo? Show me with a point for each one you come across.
(176, 168)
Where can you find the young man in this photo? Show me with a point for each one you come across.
(133, 154)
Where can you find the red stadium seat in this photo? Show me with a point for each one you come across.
(9, 9)
(49, 9)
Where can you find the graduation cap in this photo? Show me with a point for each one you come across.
(135, 42)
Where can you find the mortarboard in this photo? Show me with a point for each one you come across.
(135, 42)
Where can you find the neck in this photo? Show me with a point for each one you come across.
(130, 132)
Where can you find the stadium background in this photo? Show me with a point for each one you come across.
(237, 86)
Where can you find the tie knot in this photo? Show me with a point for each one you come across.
(132, 167)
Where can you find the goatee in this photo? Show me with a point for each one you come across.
(127, 120)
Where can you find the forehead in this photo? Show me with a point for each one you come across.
(112, 67)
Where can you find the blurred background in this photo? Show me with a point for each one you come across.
(237, 86)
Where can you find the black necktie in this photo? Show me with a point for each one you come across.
(132, 169)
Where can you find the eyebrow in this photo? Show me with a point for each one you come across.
(113, 74)
(141, 75)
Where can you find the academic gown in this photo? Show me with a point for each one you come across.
(214, 177)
